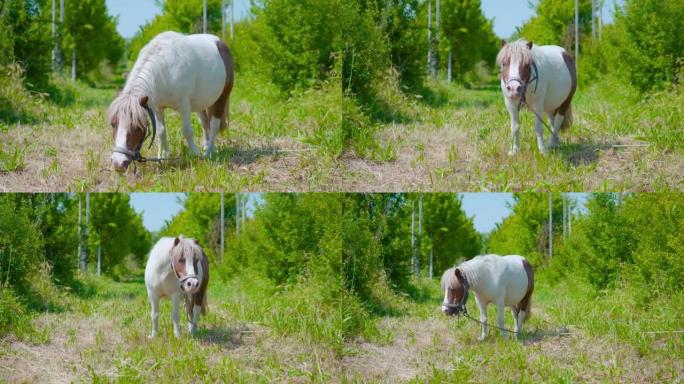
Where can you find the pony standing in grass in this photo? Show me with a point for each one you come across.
(506, 281)
(186, 73)
(177, 267)
(544, 78)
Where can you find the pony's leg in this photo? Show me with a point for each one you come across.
(515, 127)
(204, 119)
(539, 129)
(214, 125)
(154, 302)
(176, 322)
(556, 123)
(483, 317)
(520, 320)
(163, 150)
(500, 311)
(514, 312)
(186, 115)
(192, 326)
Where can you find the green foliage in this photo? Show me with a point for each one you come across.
(297, 39)
(183, 16)
(20, 241)
(201, 220)
(468, 34)
(525, 231)
(652, 49)
(89, 28)
(447, 232)
(638, 242)
(25, 38)
(118, 230)
(554, 23)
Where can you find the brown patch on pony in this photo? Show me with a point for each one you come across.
(452, 279)
(199, 297)
(134, 107)
(565, 109)
(218, 109)
(524, 304)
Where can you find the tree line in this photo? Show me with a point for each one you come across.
(617, 239)
(39, 243)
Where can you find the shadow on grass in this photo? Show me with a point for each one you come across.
(586, 153)
(244, 156)
(540, 335)
(225, 337)
(227, 156)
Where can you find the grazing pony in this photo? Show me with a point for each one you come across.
(186, 73)
(544, 78)
(506, 281)
(177, 266)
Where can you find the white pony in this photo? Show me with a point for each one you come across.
(177, 266)
(506, 281)
(186, 73)
(542, 77)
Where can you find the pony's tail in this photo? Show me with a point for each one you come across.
(226, 117)
(528, 309)
(567, 122)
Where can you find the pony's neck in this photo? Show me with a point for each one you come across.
(141, 80)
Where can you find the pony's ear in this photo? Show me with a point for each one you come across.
(529, 45)
(143, 101)
(459, 274)
(176, 241)
(503, 43)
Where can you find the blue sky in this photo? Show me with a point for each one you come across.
(507, 14)
(487, 209)
(157, 208)
(135, 13)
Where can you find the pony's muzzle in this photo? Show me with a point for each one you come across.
(120, 162)
(190, 285)
(514, 89)
(448, 310)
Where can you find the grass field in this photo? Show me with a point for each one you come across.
(575, 335)
(253, 334)
(274, 142)
(448, 138)
(249, 335)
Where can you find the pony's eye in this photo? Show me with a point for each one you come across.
(182, 260)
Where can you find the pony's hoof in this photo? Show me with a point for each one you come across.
(151, 336)
(481, 338)
(512, 152)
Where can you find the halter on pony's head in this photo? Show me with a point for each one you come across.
(460, 307)
(135, 154)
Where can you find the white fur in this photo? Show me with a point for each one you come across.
(161, 281)
(176, 71)
(500, 280)
(553, 87)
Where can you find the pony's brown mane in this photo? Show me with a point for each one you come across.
(187, 247)
(128, 104)
(517, 49)
(449, 279)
